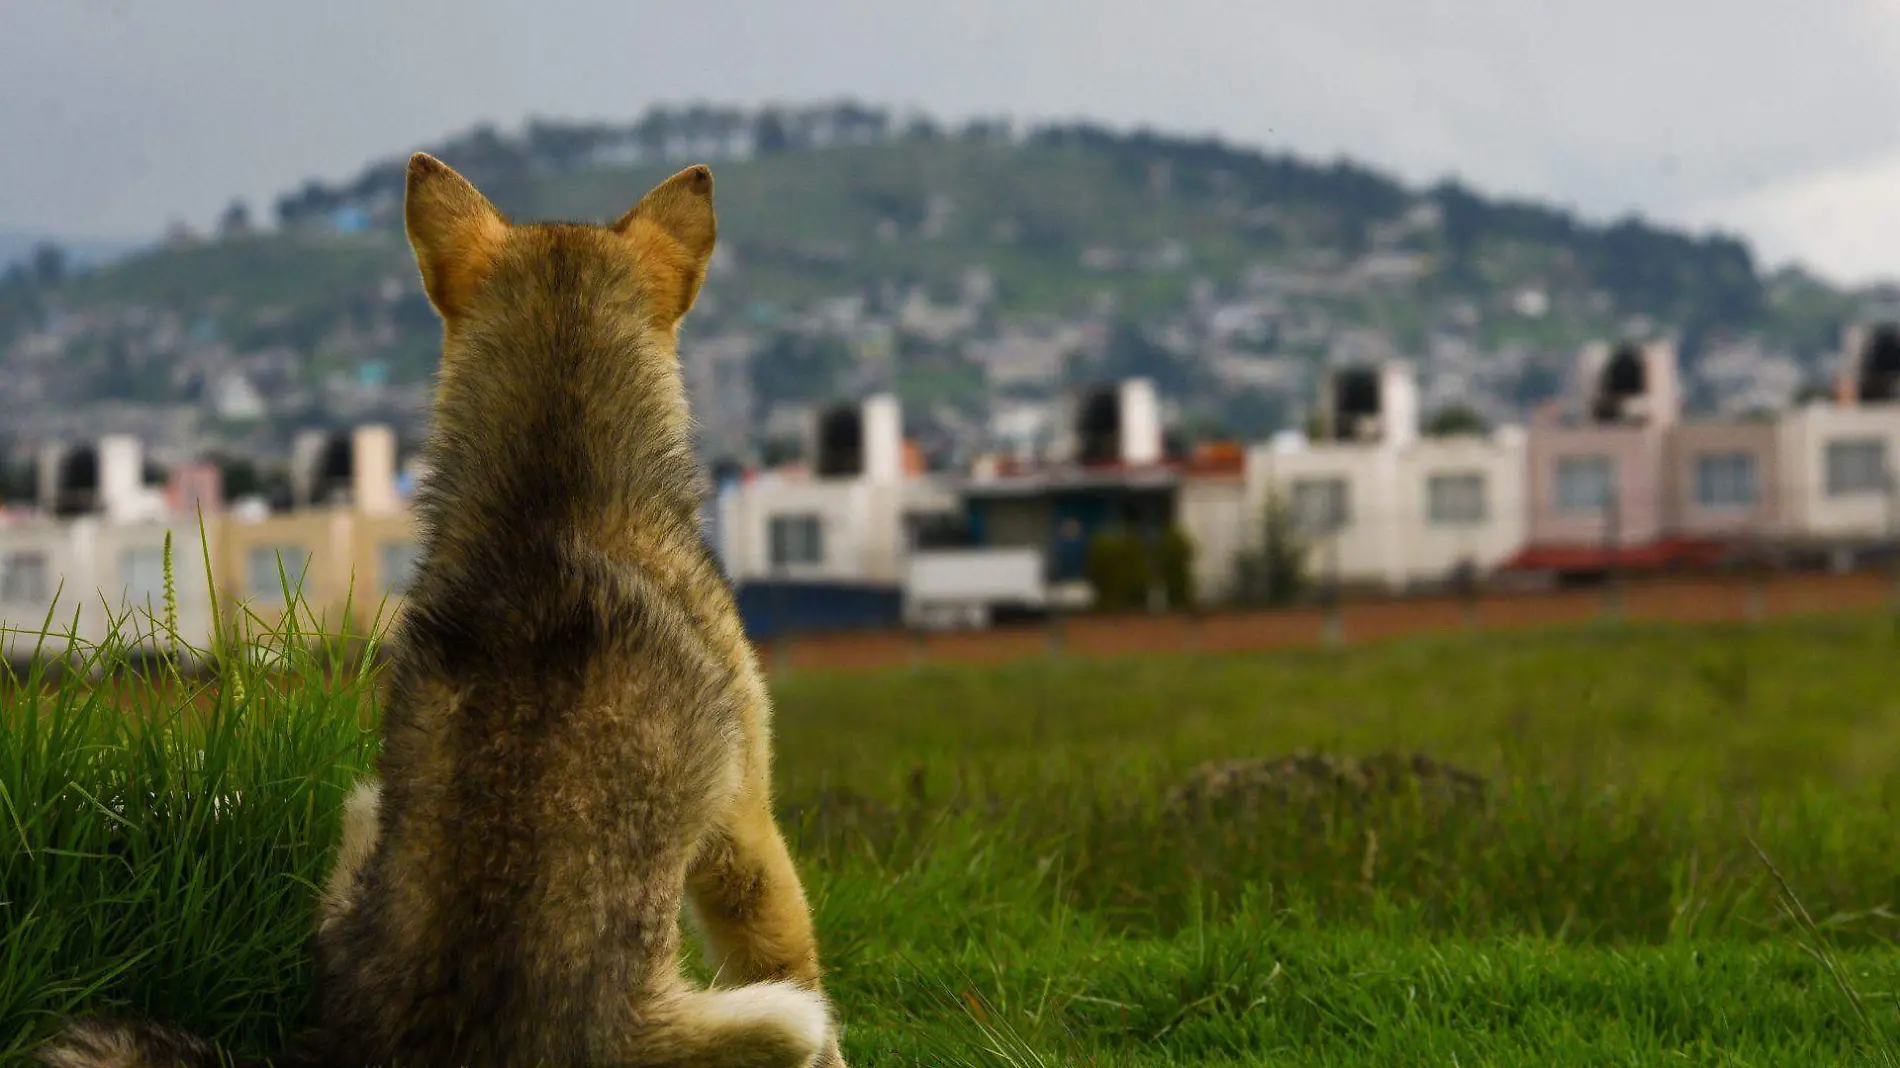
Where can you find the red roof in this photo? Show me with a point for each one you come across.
(1669, 552)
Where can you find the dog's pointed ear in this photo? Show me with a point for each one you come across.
(453, 229)
(673, 230)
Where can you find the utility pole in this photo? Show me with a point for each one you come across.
(1893, 531)
(1613, 537)
(781, 619)
(1334, 633)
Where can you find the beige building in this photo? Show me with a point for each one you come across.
(92, 560)
(1378, 504)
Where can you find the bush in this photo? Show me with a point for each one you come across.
(1123, 567)
(1274, 574)
(1118, 573)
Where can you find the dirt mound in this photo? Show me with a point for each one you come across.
(1248, 787)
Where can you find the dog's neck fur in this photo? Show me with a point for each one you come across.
(593, 451)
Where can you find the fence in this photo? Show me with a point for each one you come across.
(1740, 597)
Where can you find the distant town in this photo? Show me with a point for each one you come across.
(978, 274)
(947, 376)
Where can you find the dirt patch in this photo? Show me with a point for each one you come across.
(1243, 788)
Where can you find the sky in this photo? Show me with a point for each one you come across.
(1775, 119)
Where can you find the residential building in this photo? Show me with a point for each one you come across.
(841, 516)
(1596, 457)
(1377, 504)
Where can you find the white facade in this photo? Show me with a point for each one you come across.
(778, 526)
(47, 584)
(80, 579)
(1216, 515)
(947, 588)
(1395, 516)
(1448, 525)
(848, 528)
(1838, 464)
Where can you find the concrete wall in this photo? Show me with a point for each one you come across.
(1213, 512)
(1803, 438)
(1429, 551)
(1684, 513)
(1389, 538)
(1635, 456)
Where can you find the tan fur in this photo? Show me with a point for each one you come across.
(576, 735)
(358, 840)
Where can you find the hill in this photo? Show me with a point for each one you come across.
(964, 268)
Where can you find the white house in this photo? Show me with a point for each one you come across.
(844, 518)
(93, 555)
(1379, 505)
(1837, 468)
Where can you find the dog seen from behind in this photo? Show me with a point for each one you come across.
(576, 737)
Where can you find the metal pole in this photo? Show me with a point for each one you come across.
(1893, 526)
(782, 632)
(1757, 583)
(1613, 535)
(1334, 633)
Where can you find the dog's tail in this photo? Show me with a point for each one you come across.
(764, 1025)
(103, 1042)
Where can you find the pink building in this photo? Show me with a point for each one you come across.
(1595, 464)
(1725, 480)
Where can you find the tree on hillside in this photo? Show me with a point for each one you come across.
(49, 264)
(1454, 420)
(769, 136)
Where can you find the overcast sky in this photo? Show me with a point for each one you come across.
(1779, 119)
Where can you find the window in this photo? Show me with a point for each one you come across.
(265, 577)
(23, 578)
(142, 571)
(1320, 505)
(797, 539)
(1585, 483)
(1725, 480)
(398, 564)
(1455, 499)
(1856, 466)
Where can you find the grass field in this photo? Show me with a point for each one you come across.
(999, 881)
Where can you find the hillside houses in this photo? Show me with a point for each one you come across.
(1608, 475)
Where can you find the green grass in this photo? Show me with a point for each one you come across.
(997, 882)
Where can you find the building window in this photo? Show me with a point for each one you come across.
(23, 578)
(1585, 483)
(797, 539)
(1856, 466)
(142, 571)
(1321, 505)
(1455, 499)
(398, 565)
(268, 569)
(1726, 480)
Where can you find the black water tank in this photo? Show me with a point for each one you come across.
(1880, 365)
(1098, 427)
(840, 442)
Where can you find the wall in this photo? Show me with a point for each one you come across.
(322, 536)
(1429, 552)
(1636, 455)
(861, 520)
(1213, 511)
(137, 598)
(1802, 447)
(1366, 548)
(1684, 514)
(68, 552)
